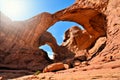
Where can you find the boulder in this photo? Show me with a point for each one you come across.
(54, 67)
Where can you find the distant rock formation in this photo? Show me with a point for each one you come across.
(60, 52)
(77, 39)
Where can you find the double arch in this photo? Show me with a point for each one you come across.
(93, 22)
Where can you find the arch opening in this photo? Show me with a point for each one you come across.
(48, 49)
(59, 28)
(94, 26)
(54, 38)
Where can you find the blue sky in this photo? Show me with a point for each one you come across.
(30, 8)
(25, 9)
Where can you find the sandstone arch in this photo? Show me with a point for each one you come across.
(23, 36)
(94, 22)
(87, 17)
(60, 52)
(19, 40)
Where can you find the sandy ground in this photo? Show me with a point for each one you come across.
(108, 71)
(100, 74)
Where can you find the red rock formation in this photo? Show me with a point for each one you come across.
(26, 34)
(16, 50)
(77, 39)
(98, 47)
(112, 49)
(20, 41)
(60, 52)
(54, 67)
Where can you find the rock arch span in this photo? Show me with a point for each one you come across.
(18, 37)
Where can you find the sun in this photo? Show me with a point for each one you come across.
(13, 8)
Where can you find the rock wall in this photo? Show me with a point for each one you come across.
(112, 49)
(16, 48)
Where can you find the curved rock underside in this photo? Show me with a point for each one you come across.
(99, 42)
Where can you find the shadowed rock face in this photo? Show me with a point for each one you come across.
(16, 48)
(60, 52)
(19, 40)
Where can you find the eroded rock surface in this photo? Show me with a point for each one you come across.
(77, 39)
(60, 52)
(16, 50)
